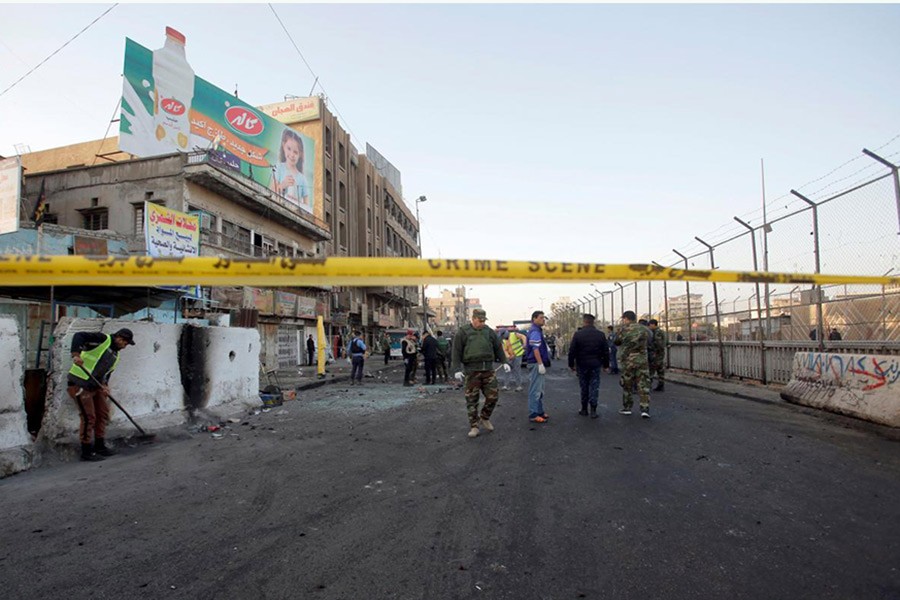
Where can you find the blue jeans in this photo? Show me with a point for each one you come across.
(613, 361)
(535, 392)
(515, 366)
(589, 380)
(357, 360)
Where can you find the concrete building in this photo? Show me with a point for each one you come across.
(96, 197)
(452, 308)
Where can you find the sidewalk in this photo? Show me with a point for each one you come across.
(305, 378)
(746, 389)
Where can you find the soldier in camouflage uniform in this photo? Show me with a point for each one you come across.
(657, 355)
(632, 340)
(475, 348)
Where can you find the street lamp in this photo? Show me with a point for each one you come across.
(419, 242)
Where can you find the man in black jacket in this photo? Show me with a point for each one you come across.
(588, 352)
(430, 354)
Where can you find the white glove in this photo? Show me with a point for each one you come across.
(459, 376)
(542, 369)
(506, 368)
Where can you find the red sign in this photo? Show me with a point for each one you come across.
(244, 120)
(172, 106)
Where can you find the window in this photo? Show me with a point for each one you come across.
(368, 185)
(342, 158)
(342, 236)
(51, 218)
(95, 219)
(342, 195)
(328, 140)
(369, 218)
(138, 218)
(329, 183)
(95, 202)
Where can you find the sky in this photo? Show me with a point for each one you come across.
(579, 132)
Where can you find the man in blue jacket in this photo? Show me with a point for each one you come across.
(588, 353)
(538, 359)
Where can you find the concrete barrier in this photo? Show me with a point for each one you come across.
(159, 379)
(16, 448)
(866, 386)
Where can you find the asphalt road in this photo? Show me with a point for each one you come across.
(376, 492)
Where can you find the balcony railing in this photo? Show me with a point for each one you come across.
(203, 158)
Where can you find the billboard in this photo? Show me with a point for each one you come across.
(170, 232)
(9, 195)
(295, 110)
(166, 109)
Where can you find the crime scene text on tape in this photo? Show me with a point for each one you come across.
(20, 270)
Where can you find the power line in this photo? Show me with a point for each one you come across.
(16, 82)
(316, 77)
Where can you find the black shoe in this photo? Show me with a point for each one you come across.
(407, 384)
(660, 387)
(583, 412)
(88, 454)
(102, 449)
(594, 414)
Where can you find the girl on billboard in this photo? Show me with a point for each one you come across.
(289, 180)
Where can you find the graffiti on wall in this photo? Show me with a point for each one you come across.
(863, 385)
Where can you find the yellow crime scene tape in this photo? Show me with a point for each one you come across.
(19, 270)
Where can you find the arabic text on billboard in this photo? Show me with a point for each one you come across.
(295, 110)
(166, 109)
(170, 232)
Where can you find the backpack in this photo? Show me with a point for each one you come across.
(355, 347)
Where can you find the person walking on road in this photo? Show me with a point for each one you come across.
(94, 358)
(475, 348)
(632, 340)
(357, 350)
(538, 358)
(430, 356)
(613, 350)
(385, 346)
(588, 353)
(657, 357)
(409, 350)
(310, 350)
(443, 345)
(514, 344)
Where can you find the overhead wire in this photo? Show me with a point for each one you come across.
(317, 81)
(55, 52)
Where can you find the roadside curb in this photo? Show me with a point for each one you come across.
(718, 386)
(738, 390)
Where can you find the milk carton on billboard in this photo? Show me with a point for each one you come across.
(173, 92)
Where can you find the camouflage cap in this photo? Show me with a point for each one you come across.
(479, 313)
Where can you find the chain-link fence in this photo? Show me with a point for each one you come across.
(848, 226)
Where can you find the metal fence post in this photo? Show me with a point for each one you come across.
(666, 304)
(712, 265)
(894, 171)
(820, 326)
(690, 341)
(762, 332)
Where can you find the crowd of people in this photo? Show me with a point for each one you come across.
(635, 350)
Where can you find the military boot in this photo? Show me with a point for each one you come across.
(102, 449)
(583, 412)
(660, 387)
(87, 453)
